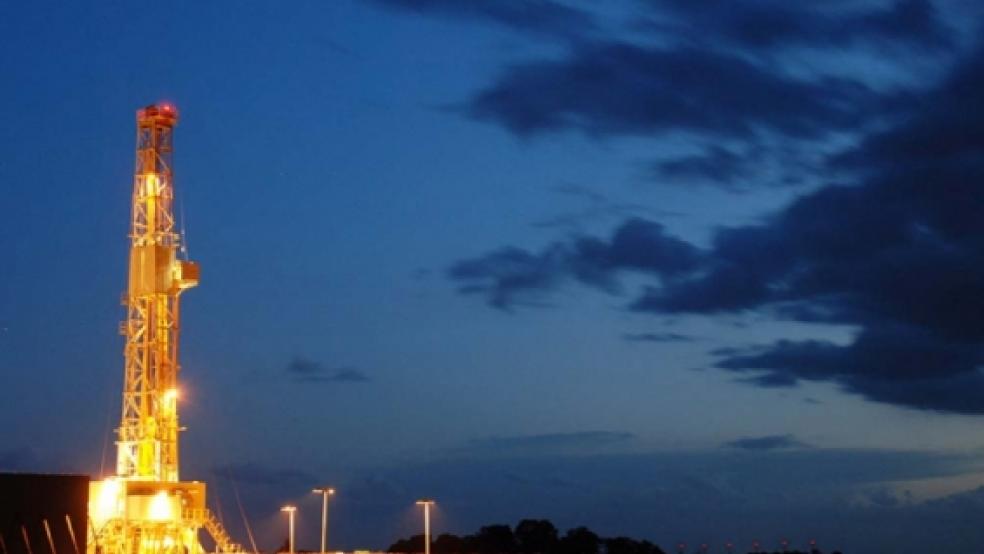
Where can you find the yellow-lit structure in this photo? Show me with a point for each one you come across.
(146, 508)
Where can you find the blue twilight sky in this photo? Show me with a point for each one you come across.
(678, 270)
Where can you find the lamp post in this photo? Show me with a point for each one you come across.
(325, 492)
(291, 510)
(426, 503)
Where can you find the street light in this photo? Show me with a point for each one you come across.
(291, 510)
(325, 492)
(426, 503)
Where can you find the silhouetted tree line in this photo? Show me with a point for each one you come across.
(531, 536)
(536, 536)
(814, 551)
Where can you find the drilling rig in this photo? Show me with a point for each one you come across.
(145, 508)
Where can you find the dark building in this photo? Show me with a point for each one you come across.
(33, 505)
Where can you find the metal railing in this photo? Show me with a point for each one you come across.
(223, 542)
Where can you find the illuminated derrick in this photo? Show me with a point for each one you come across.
(145, 509)
(148, 445)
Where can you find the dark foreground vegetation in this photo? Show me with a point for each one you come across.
(539, 536)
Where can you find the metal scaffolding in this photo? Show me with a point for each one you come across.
(145, 508)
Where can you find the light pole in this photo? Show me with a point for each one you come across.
(426, 503)
(325, 492)
(291, 510)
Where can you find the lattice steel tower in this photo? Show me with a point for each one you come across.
(145, 508)
(148, 445)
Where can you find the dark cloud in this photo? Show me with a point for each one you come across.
(541, 17)
(878, 353)
(341, 375)
(507, 276)
(550, 442)
(771, 24)
(309, 371)
(716, 165)
(898, 255)
(769, 442)
(612, 88)
(944, 134)
(263, 475)
(656, 337)
(302, 366)
(597, 207)
(771, 380)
